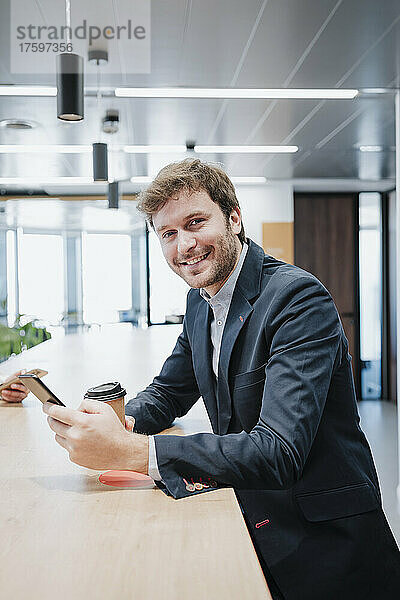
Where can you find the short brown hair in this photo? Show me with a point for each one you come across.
(193, 175)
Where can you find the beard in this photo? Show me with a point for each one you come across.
(223, 261)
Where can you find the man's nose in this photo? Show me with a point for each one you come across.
(186, 242)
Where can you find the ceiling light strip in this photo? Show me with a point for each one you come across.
(49, 148)
(27, 90)
(142, 149)
(370, 148)
(46, 180)
(147, 149)
(250, 180)
(245, 93)
(227, 93)
(241, 180)
(26, 181)
(246, 149)
(144, 179)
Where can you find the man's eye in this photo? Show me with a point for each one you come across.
(167, 234)
(196, 221)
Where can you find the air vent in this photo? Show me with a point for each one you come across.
(17, 124)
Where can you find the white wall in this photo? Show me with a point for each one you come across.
(264, 204)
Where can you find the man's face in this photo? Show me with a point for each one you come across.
(197, 242)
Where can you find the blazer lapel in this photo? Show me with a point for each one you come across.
(239, 311)
(247, 287)
(202, 360)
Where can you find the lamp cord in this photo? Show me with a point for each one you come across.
(68, 20)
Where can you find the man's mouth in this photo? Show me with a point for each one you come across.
(197, 259)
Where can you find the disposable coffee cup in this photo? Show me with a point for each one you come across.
(111, 393)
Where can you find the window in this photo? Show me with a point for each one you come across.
(12, 291)
(41, 276)
(107, 276)
(167, 290)
(370, 294)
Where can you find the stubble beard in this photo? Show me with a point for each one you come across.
(223, 263)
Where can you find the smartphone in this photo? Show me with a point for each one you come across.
(39, 389)
(16, 379)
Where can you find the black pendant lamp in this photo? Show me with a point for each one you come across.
(113, 194)
(100, 162)
(70, 87)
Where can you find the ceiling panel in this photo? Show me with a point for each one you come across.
(216, 37)
(167, 28)
(172, 121)
(334, 164)
(359, 27)
(346, 164)
(379, 68)
(283, 36)
(329, 117)
(274, 123)
(237, 121)
(369, 116)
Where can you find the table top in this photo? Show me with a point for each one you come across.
(66, 535)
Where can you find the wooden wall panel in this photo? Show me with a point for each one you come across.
(326, 244)
(278, 240)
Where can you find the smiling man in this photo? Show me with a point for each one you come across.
(263, 345)
(205, 249)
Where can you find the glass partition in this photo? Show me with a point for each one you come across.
(167, 290)
(41, 276)
(107, 276)
(370, 241)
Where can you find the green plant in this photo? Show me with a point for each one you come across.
(22, 335)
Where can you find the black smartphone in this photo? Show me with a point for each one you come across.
(39, 389)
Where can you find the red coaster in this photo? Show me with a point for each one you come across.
(126, 479)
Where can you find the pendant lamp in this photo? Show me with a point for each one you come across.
(70, 87)
(113, 194)
(100, 162)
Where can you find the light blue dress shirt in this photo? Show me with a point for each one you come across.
(219, 304)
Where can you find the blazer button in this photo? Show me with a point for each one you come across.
(190, 487)
(213, 484)
(198, 486)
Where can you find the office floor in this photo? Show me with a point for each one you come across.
(379, 423)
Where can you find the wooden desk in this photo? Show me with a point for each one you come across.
(64, 535)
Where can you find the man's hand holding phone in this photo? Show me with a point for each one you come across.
(94, 437)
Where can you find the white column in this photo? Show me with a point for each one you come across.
(397, 122)
(3, 276)
(73, 277)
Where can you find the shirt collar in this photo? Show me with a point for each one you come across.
(224, 295)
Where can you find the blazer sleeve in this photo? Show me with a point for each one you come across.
(170, 395)
(306, 333)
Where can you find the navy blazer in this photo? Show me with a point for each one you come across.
(286, 433)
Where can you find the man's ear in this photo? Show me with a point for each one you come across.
(235, 220)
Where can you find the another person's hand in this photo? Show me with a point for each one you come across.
(16, 392)
(129, 423)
